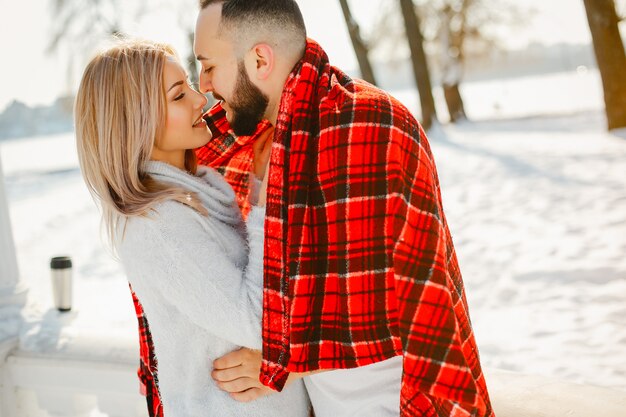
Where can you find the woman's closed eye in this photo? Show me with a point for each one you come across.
(182, 93)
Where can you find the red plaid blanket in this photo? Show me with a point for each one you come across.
(359, 262)
(147, 371)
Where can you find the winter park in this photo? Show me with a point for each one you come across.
(524, 106)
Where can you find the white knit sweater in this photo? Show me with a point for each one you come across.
(201, 289)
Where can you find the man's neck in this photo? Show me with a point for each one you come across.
(272, 113)
(274, 104)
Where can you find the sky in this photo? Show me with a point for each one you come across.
(30, 75)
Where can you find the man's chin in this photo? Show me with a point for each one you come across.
(242, 128)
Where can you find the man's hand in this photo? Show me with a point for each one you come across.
(238, 373)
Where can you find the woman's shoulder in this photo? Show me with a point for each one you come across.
(162, 219)
(163, 215)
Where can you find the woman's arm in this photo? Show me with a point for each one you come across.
(176, 257)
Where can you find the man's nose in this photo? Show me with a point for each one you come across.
(205, 84)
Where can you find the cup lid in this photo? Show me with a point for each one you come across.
(61, 262)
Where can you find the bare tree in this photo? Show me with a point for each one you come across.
(186, 12)
(418, 60)
(611, 58)
(78, 25)
(453, 30)
(460, 27)
(451, 35)
(80, 22)
(360, 48)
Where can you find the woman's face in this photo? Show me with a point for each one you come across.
(184, 126)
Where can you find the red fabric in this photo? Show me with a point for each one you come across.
(359, 262)
(231, 156)
(147, 371)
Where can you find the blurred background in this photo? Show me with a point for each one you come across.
(525, 111)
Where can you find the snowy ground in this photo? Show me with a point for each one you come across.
(536, 204)
(537, 209)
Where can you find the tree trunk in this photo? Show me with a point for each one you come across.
(192, 67)
(451, 62)
(360, 50)
(454, 101)
(611, 58)
(418, 59)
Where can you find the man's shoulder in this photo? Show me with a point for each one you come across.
(363, 102)
(355, 109)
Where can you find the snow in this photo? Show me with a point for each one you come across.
(538, 215)
(52, 214)
(534, 191)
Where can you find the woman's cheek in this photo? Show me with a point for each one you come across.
(174, 120)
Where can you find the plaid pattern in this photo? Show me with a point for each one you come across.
(147, 371)
(359, 262)
(231, 156)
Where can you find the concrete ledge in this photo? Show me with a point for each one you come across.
(43, 385)
(512, 394)
(40, 372)
(518, 395)
(75, 336)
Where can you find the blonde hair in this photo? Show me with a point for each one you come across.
(120, 112)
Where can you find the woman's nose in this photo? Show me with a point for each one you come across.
(201, 100)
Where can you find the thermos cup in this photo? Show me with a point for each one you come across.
(61, 271)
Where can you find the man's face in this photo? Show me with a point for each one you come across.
(225, 76)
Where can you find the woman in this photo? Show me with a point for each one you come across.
(189, 256)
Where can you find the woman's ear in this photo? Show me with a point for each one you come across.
(263, 56)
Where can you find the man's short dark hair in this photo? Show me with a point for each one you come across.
(263, 16)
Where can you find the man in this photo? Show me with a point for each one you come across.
(361, 276)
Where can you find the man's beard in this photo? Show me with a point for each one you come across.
(248, 104)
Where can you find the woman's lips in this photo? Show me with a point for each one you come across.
(200, 123)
